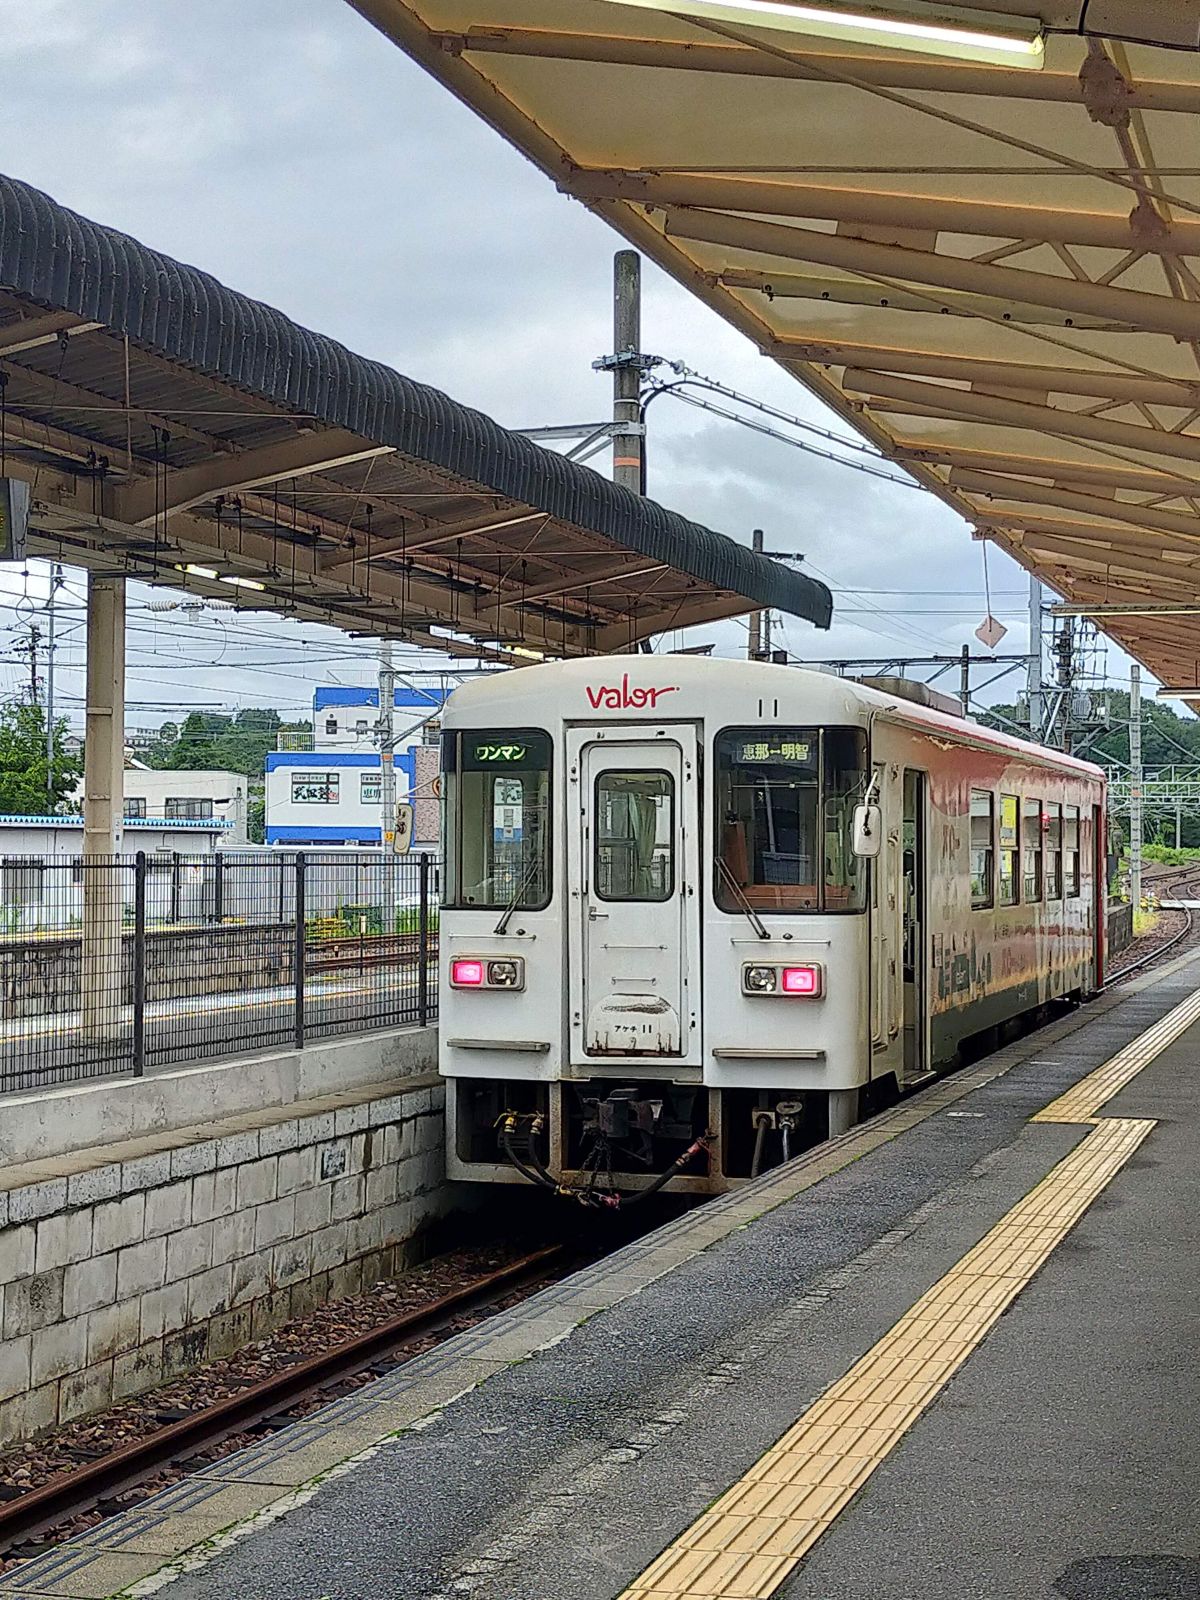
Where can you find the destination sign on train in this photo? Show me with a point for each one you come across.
(500, 754)
(774, 749)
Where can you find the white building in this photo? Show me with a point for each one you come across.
(41, 868)
(181, 796)
(331, 795)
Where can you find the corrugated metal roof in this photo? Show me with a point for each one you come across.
(61, 261)
(163, 824)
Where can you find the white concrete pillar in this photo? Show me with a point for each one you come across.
(104, 883)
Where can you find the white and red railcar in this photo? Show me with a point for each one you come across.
(699, 913)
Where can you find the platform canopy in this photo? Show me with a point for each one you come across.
(173, 430)
(991, 270)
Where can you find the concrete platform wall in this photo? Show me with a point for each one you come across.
(47, 1123)
(126, 1265)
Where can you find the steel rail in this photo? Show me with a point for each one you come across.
(71, 1494)
(1159, 951)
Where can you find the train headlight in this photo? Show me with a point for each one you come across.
(506, 974)
(759, 980)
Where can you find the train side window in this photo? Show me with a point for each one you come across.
(982, 849)
(1031, 829)
(1054, 866)
(1071, 850)
(1010, 846)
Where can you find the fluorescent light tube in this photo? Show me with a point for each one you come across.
(1019, 44)
(197, 572)
(243, 583)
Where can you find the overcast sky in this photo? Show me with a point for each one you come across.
(289, 149)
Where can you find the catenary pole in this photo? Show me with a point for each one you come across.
(1036, 712)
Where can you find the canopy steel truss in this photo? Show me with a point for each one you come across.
(993, 274)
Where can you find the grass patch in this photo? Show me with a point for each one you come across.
(1166, 855)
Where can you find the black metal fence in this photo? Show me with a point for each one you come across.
(112, 964)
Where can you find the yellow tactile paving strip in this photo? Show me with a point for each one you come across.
(745, 1546)
(1083, 1100)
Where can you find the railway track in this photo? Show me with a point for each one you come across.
(105, 1482)
(1183, 883)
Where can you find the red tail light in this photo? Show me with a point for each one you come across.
(802, 981)
(466, 974)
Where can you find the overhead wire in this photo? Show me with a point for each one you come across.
(686, 377)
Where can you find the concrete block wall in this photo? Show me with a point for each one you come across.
(1120, 928)
(117, 1274)
(43, 974)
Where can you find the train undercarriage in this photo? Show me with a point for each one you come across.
(607, 1141)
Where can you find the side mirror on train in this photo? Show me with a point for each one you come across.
(868, 830)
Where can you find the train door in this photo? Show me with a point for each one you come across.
(1099, 893)
(913, 925)
(883, 960)
(633, 875)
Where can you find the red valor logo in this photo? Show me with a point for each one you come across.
(625, 698)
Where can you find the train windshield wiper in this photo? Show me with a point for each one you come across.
(755, 920)
(506, 918)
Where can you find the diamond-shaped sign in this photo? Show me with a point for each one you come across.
(990, 632)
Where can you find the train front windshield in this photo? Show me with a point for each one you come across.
(785, 805)
(496, 790)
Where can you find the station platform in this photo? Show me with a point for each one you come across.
(952, 1354)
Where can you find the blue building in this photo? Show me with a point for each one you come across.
(330, 794)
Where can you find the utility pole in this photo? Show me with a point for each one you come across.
(964, 681)
(758, 642)
(628, 463)
(1036, 712)
(1135, 786)
(385, 728)
(386, 731)
(754, 639)
(56, 579)
(35, 638)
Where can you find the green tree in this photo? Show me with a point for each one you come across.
(211, 740)
(256, 818)
(24, 790)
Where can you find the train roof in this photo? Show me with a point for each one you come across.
(530, 691)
